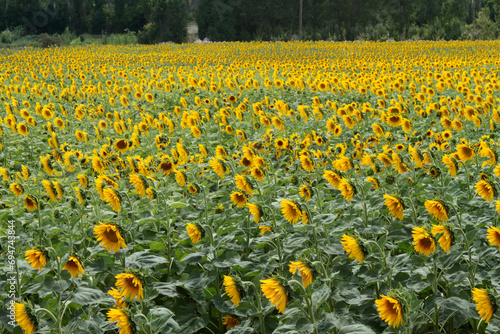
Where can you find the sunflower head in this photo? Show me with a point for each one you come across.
(423, 242)
(390, 309)
(37, 257)
(25, 317)
(486, 304)
(109, 236)
(195, 232)
(74, 266)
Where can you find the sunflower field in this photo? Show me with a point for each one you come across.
(251, 188)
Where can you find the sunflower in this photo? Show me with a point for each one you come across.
(74, 266)
(276, 294)
(109, 236)
(218, 167)
(436, 209)
(395, 205)
(83, 180)
(450, 164)
(37, 258)
(194, 232)
(113, 199)
(390, 310)
(24, 318)
(243, 184)
(497, 206)
(290, 211)
(255, 211)
(483, 304)
(22, 129)
(423, 242)
(485, 190)
(264, 229)
(305, 192)
(149, 97)
(166, 167)
(305, 272)
(239, 199)
(5, 175)
(122, 145)
(30, 203)
(139, 183)
(130, 286)
(352, 247)
(307, 163)
(193, 189)
(465, 152)
(232, 290)
(16, 189)
(258, 173)
(333, 178)
(347, 189)
(58, 188)
(98, 165)
(124, 323)
(446, 236)
(493, 235)
(49, 188)
(230, 321)
(118, 296)
(373, 181)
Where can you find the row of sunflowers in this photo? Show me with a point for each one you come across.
(250, 188)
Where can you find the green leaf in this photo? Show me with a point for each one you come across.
(156, 246)
(240, 330)
(356, 329)
(89, 296)
(321, 295)
(145, 260)
(162, 318)
(462, 306)
(178, 205)
(166, 289)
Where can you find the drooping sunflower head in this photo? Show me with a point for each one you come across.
(353, 247)
(291, 211)
(74, 266)
(347, 189)
(140, 183)
(485, 303)
(232, 288)
(493, 235)
(123, 320)
(423, 242)
(305, 192)
(255, 211)
(446, 238)
(25, 317)
(243, 184)
(465, 152)
(230, 321)
(273, 290)
(113, 198)
(130, 285)
(304, 270)
(390, 310)
(30, 203)
(486, 190)
(395, 206)
(37, 257)
(16, 189)
(437, 209)
(109, 236)
(238, 198)
(195, 232)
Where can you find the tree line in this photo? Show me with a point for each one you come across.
(244, 20)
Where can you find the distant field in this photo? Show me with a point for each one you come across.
(251, 188)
